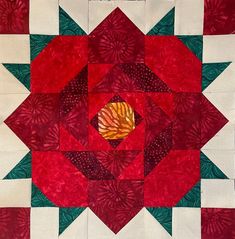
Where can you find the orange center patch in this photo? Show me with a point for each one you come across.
(116, 120)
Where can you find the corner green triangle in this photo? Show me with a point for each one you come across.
(163, 215)
(192, 198)
(22, 169)
(38, 199)
(67, 216)
(210, 71)
(68, 26)
(38, 43)
(21, 72)
(194, 43)
(209, 170)
(165, 26)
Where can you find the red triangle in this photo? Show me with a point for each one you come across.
(165, 101)
(96, 73)
(97, 102)
(68, 142)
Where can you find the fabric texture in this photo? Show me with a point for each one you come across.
(117, 119)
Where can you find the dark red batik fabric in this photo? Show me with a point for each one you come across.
(219, 17)
(218, 223)
(15, 223)
(115, 120)
(14, 16)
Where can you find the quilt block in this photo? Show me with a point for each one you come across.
(117, 119)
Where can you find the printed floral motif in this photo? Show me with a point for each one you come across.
(116, 40)
(218, 223)
(14, 223)
(219, 17)
(116, 202)
(14, 16)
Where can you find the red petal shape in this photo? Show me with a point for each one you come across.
(60, 61)
(172, 178)
(173, 63)
(59, 180)
(116, 40)
(211, 120)
(116, 202)
(36, 120)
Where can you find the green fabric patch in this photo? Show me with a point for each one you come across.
(194, 43)
(38, 199)
(165, 26)
(21, 72)
(163, 215)
(38, 43)
(192, 198)
(209, 170)
(210, 71)
(67, 216)
(22, 169)
(68, 26)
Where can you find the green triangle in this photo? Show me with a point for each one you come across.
(68, 26)
(21, 72)
(210, 71)
(165, 26)
(209, 170)
(163, 215)
(67, 216)
(192, 198)
(22, 169)
(38, 43)
(194, 43)
(38, 199)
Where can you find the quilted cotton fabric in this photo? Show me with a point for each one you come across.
(117, 119)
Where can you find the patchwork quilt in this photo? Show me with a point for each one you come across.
(117, 119)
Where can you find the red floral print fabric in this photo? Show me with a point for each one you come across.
(15, 223)
(14, 16)
(219, 17)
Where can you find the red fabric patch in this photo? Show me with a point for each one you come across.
(59, 179)
(116, 40)
(116, 202)
(135, 170)
(173, 63)
(186, 124)
(219, 17)
(14, 17)
(36, 121)
(173, 177)
(96, 73)
(68, 142)
(15, 223)
(58, 63)
(218, 223)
